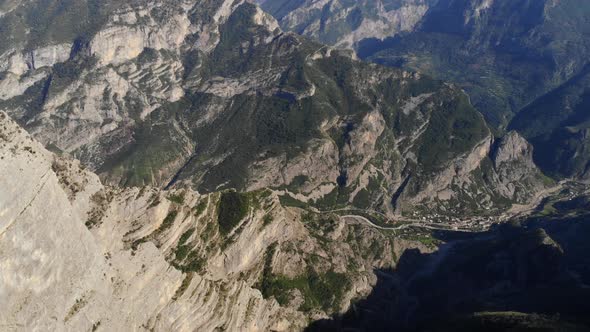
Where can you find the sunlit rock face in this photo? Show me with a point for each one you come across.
(77, 254)
(180, 165)
(345, 23)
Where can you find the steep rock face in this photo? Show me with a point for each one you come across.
(91, 92)
(457, 174)
(493, 174)
(513, 147)
(557, 125)
(459, 40)
(77, 254)
(516, 171)
(125, 39)
(317, 164)
(213, 95)
(60, 275)
(345, 23)
(20, 62)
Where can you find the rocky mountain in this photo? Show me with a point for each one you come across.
(558, 125)
(525, 276)
(505, 54)
(78, 255)
(345, 23)
(511, 57)
(213, 95)
(189, 166)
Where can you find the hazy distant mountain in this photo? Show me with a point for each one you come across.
(504, 53)
(344, 23)
(558, 124)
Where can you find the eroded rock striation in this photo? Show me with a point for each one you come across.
(78, 255)
(213, 95)
(346, 23)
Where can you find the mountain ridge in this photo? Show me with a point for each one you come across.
(168, 259)
(217, 95)
(188, 165)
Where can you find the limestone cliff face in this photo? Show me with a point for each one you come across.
(213, 95)
(90, 102)
(319, 164)
(496, 170)
(19, 62)
(517, 173)
(125, 38)
(345, 23)
(77, 254)
(60, 274)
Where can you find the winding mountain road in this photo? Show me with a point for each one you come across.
(400, 227)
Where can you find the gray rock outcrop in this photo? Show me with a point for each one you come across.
(77, 255)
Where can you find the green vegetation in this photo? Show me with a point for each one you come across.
(323, 291)
(288, 200)
(424, 238)
(454, 128)
(194, 263)
(319, 291)
(181, 252)
(555, 124)
(200, 208)
(267, 220)
(186, 235)
(46, 22)
(185, 283)
(68, 72)
(337, 198)
(174, 137)
(503, 76)
(297, 182)
(320, 226)
(186, 259)
(362, 199)
(157, 143)
(548, 209)
(233, 207)
(176, 198)
(208, 232)
(168, 221)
